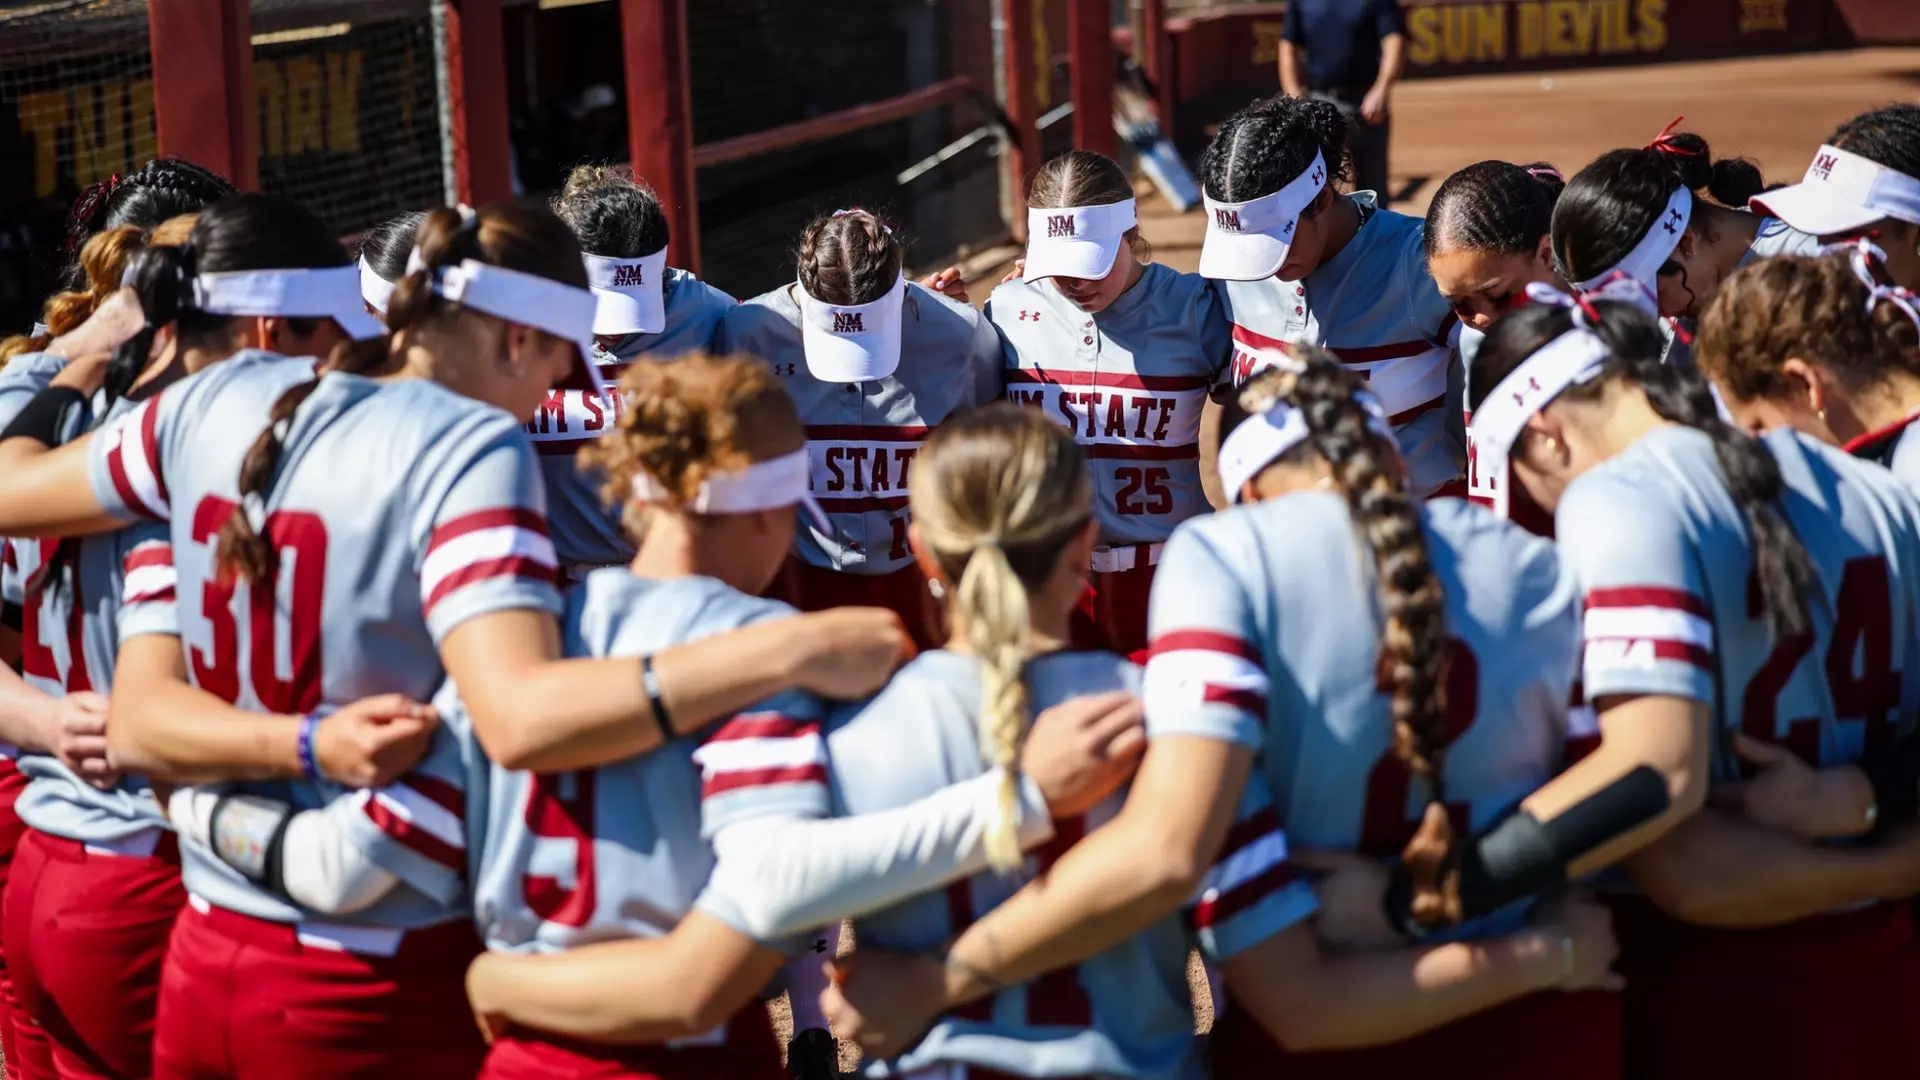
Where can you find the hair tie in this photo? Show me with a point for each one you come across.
(186, 268)
(1663, 143)
(1618, 286)
(1862, 255)
(989, 540)
(1541, 171)
(884, 227)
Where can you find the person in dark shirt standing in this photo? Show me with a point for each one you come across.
(1354, 51)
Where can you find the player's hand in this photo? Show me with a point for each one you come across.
(1786, 793)
(847, 653)
(1580, 937)
(1082, 750)
(483, 978)
(1373, 107)
(883, 1001)
(1019, 269)
(948, 283)
(89, 346)
(1352, 890)
(374, 740)
(79, 738)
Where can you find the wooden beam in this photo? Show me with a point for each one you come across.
(844, 122)
(660, 117)
(477, 102)
(1022, 106)
(1090, 41)
(203, 86)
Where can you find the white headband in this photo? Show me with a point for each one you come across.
(314, 293)
(773, 484)
(1576, 356)
(1261, 439)
(1249, 241)
(374, 289)
(1643, 263)
(1616, 286)
(1076, 241)
(530, 300)
(1861, 254)
(631, 292)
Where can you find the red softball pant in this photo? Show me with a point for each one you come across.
(1113, 610)
(1564, 1036)
(1831, 996)
(903, 592)
(246, 999)
(29, 1053)
(86, 934)
(749, 1052)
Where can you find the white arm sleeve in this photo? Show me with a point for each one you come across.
(321, 868)
(777, 878)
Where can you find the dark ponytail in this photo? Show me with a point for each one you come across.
(1414, 652)
(385, 247)
(1263, 147)
(518, 236)
(1782, 568)
(1609, 205)
(1495, 207)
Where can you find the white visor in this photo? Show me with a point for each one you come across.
(1076, 241)
(631, 293)
(852, 344)
(1576, 356)
(1842, 193)
(329, 293)
(1247, 241)
(1643, 263)
(530, 300)
(374, 289)
(773, 484)
(1262, 439)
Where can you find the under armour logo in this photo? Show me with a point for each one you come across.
(1673, 221)
(819, 945)
(628, 277)
(1059, 225)
(1029, 316)
(1823, 165)
(848, 322)
(1520, 396)
(785, 369)
(1318, 175)
(1227, 220)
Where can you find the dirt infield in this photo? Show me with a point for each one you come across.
(1775, 111)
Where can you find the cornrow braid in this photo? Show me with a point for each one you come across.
(1414, 652)
(849, 258)
(1889, 136)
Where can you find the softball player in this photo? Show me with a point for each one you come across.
(947, 721)
(1486, 240)
(470, 581)
(1125, 353)
(1777, 573)
(1844, 368)
(382, 260)
(1298, 263)
(646, 310)
(874, 363)
(1246, 670)
(1639, 211)
(1865, 182)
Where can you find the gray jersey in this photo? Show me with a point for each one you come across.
(862, 437)
(1266, 631)
(87, 596)
(586, 531)
(1123, 1013)
(1892, 447)
(1663, 556)
(401, 510)
(1376, 307)
(1129, 383)
(24, 376)
(622, 851)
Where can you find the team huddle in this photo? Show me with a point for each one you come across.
(504, 654)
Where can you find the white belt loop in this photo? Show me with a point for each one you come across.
(942, 1071)
(1116, 560)
(140, 845)
(360, 940)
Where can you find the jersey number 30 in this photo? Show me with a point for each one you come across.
(294, 596)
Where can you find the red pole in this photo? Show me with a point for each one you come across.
(1090, 55)
(660, 117)
(477, 102)
(1022, 105)
(1156, 55)
(203, 86)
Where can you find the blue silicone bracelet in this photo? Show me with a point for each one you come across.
(309, 762)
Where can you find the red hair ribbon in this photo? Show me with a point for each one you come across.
(1663, 143)
(1539, 171)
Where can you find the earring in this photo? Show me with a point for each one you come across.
(938, 590)
(1822, 414)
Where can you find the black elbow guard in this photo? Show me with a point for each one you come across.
(51, 418)
(12, 617)
(1519, 856)
(1894, 772)
(249, 833)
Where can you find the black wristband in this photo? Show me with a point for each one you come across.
(12, 616)
(50, 418)
(1894, 772)
(650, 682)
